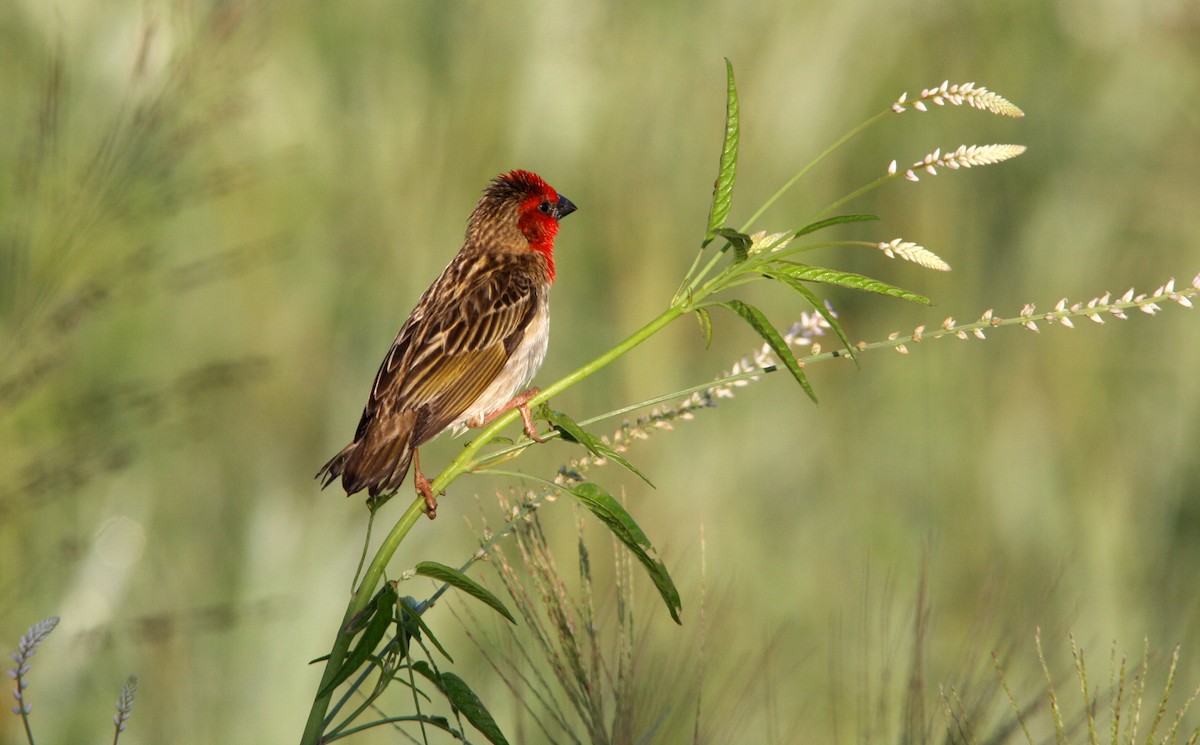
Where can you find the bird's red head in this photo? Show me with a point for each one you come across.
(539, 208)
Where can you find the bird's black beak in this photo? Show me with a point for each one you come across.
(563, 207)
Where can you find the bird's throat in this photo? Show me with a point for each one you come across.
(540, 231)
(546, 248)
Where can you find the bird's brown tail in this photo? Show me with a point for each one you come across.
(378, 467)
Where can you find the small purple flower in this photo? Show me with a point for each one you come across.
(26, 648)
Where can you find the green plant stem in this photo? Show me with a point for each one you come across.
(528, 477)
(25, 719)
(390, 720)
(687, 278)
(852, 195)
(314, 727)
(691, 286)
(826, 153)
(462, 464)
(362, 558)
(370, 699)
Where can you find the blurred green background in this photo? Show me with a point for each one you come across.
(214, 219)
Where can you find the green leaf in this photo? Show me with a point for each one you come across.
(460, 581)
(573, 432)
(360, 620)
(818, 306)
(722, 199)
(740, 241)
(705, 325)
(463, 699)
(617, 519)
(822, 224)
(854, 281)
(376, 628)
(425, 669)
(759, 323)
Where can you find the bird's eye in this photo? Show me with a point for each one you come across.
(545, 207)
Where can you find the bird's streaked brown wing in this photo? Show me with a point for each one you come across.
(447, 357)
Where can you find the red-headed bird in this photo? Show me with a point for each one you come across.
(474, 341)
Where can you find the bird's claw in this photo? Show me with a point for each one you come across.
(426, 491)
(530, 430)
(520, 402)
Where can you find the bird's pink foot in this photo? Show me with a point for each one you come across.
(423, 487)
(520, 402)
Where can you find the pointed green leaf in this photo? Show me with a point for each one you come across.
(360, 620)
(759, 323)
(373, 634)
(463, 699)
(617, 519)
(822, 224)
(817, 305)
(854, 281)
(722, 200)
(425, 669)
(705, 325)
(573, 432)
(739, 241)
(460, 581)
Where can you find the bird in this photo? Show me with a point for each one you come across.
(471, 345)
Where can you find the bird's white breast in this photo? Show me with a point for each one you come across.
(516, 373)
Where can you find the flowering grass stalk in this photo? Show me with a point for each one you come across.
(124, 707)
(1092, 719)
(26, 649)
(1093, 310)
